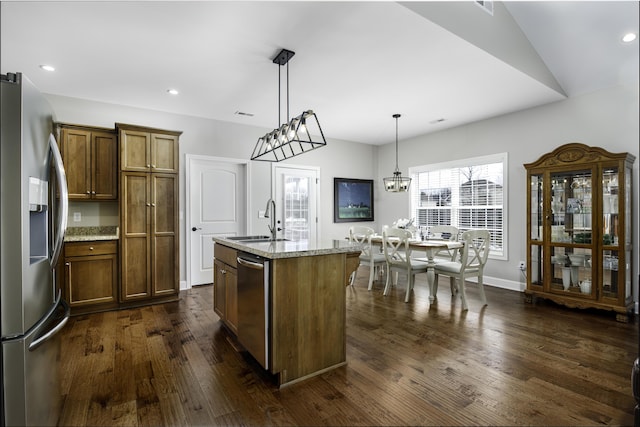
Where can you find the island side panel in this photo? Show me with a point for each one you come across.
(353, 262)
(308, 315)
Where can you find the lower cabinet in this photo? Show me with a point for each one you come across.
(149, 240)
(305, 310)
(91, 275)
(225, 282)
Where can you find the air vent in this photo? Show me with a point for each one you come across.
(242, 113)
(487, 6)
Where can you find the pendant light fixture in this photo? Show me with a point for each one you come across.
(396, 183)
(294, 136)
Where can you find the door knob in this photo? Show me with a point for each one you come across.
(195, 228)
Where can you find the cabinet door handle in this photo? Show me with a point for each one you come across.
(153, 166)
(68, 265)
(148, 204)
(90, 248)
(88, 192)
(93, 192)
(148, 166)
(153, 204)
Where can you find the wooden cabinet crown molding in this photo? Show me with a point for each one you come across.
(125, 126)
(59, 125)
(577, 153)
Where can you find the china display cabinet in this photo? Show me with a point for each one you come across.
(579, 228)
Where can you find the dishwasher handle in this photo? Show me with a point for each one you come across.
(250, 264)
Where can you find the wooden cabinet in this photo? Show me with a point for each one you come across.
(305, 309)
(225, 282)
(91, 275)
(148, 217)
(148, 150)
(579, 250)
(90, 156)
(149, 235)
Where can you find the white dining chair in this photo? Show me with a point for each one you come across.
(397, 252)
(370, 256)
(450, 233)
(471, 263)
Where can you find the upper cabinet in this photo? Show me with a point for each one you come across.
(90, 158)
(579, 228)
(143, 150)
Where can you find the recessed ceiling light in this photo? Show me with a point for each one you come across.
(629, 37)
(172, 91)
(47, 67)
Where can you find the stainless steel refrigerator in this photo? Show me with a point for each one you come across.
(33, 213)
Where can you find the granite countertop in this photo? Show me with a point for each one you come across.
(88, 234)
(291, 248)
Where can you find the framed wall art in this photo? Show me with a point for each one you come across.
(352, 200)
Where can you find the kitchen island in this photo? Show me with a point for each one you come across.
(292, 319)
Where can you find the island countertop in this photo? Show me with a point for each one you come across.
(291, 248)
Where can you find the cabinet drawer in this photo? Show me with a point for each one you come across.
(226, 255)
(72, 249)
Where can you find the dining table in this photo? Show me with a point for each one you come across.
(431, 248)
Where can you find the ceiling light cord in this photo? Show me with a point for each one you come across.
(396, 116)
(396, 183)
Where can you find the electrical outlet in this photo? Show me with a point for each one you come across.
(77, 216)
(522, 266)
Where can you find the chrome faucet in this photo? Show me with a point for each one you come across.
(270, 212)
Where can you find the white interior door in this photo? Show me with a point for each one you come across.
(217, 206)
(296, 195)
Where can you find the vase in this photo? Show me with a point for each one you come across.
(575, 271)
(566, 278)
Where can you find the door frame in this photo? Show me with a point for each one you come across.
(316, 169)
(188, 159)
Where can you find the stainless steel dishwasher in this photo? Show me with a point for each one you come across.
(253, 305)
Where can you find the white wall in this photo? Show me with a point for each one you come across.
(223, 139)
(607, 118)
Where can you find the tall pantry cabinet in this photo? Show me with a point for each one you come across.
(149, 241)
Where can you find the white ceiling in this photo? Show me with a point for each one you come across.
(356, 63)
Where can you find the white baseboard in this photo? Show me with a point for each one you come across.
(511, 285)
(183, 285)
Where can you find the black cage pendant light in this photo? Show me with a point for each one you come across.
(293, 137)
(396, 183)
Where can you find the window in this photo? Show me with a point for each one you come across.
(468, 193)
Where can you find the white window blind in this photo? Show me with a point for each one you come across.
(468, 193)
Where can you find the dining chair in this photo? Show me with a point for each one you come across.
(471, 263)
(450, 233)
(370, 254)
(397, 252)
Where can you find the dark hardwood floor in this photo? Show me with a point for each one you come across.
(509, 363)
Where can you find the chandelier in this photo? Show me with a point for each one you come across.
(396, 183)
(293, 137)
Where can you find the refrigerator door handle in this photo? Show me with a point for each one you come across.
(42, 337)
(64, 201)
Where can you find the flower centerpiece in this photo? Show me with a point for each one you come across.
(405, 224)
